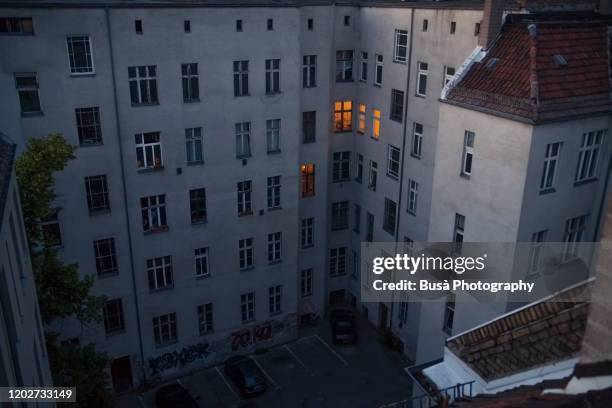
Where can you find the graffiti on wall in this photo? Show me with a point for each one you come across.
(186, 355)
(249, 336)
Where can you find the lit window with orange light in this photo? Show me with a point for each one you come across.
(343, 116)
(308, 179)
(375, 123)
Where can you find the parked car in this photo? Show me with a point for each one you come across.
(174, 396)
(344, 327)
(246, 375)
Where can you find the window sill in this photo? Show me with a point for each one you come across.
(276, 313)
(99, 212)
(397, 120)
(273, 94)
(170, 343)
(139, 105)
(388, 231)
(309, 87)
(93, 144)
(246, 95)
(245, 213)
(275, 262)
(82, 74)
(108, 274)
(308, 141)
(248, 268)
(344, 80)
(343, 131)
(413, 213)
(164, 289)
(339, 228)
(190, 101)
(377, 85)
(465, 175)
(399, 62)
(195, 163)
(198, 223)
(277, 151)
(363, 80)
(115, 333)
(157, 230)
(393, 177)
(308, 195)
(202, 277)
(243, 156)
(415, 156)
(373, 188)
(32, 114)
(547, 191)
(307, 246)
(375, 138)
(150, 169)
(420, 96)
(585, 181)
(275, 208)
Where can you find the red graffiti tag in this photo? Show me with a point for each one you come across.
(247, 337)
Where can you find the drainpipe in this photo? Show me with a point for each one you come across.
(124, 188)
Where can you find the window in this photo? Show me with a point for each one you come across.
(337, 261)
(340, 212)
(363, 71)
(401, 46)
(343, 116)
(193, 145)
(270, 24)
(274, 296)
(341, 166)
(79, 55)
(159, 272)
(347, 21)
(397, 105)
(402, 313)
(354, 272)
(273, 135)
(201, 262)
(413, 196)
(51, 231)
(574, 230)
(477, 29)
(309, 71)
(535, 251)
(369, 235)
(88, 126)
(247, 306)
(27, 88)
(425, 25)
(245, 253)
(458, 233)
(468, 153)
(589, 155)
(453, 27)
(356, 218)
(417, 140)
(187, 26)
(308, 179)
(241, 77)
(547, 182)
(275, 247)
(373, 175)
(197, 204)
(449, 73)
(393, 162)
(344, 65)
(309, 126)
(143, 84)
(390, 216)
(113, 316)
(306, 282)
(205, 318)
(449, 313)
(148, 150)
(272, 76)
(244, 197)
(310, 24)
(359, 170)
(106, 256)
(138, 26)
(421, 79)
(16, 25)
(239, 25)
(191, 85)
(274, 187)
(97, 193)
(164, 329)
(379, 70)
(243, 139)
(375, 123)
(307, 232)
(153, 209)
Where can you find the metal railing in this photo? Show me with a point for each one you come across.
(454, 393)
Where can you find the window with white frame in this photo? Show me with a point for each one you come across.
(88, 126)
(343, 116)
(244, 197)
(191, 82)
(245, 253)
(306, 280)
(148, 150)
(241, 78)
(359, 169)
(361, 118)
(363, 71)
(468, 153)
(272, 76)
(549, 171)
(535, 251)
(589, 155)
(401, 46)
(413, 196)
(458, 233)
(153, 211)
(79, 54)
(337, 261)
(417, 140)
(201, 262)
(344, 65)
(205, 318)
(309, 71)
(51, 230)
(27, 88)
(274, 192)
(113, 316)
(421, 88)
(197, 205)
(449, 313)
(397, 106)
(341, 166)
(275, 299)
(307, 232)
(373, 175)
(375, 124)
(106, 256)
(393, 161)
(309, 126)
(275, 243)
(97, 193)
(378, 74)
(273, 135)
(164, 329)
(340, 213)
(159, 272)
(390, 216)
(143, 84)
(574, 231)
(193, 145)
(247, 307)
(449, 74)
(243, 139)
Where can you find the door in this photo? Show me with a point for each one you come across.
(121, 373)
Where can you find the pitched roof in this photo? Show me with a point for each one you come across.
(7, 155)
(542, 69)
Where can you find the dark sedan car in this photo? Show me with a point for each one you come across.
(174, 396)
(344, 327)
(246, 375)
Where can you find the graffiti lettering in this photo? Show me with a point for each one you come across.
(247, 337)
(179, 358)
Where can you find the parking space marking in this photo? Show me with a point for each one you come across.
(265, 373)
(334, 352)
(296, 358)
(226, 382)
(141, 401)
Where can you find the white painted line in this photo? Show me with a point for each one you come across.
(334, 352)
(141, 402)
(180, 383)
(226, 382)
(306, 337)
(296, 358)
(265, 373)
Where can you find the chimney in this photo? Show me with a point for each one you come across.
(492, 15)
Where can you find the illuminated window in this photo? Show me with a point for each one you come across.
(362, 118)
(375, 123)
(343, 116)
(308, 179)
